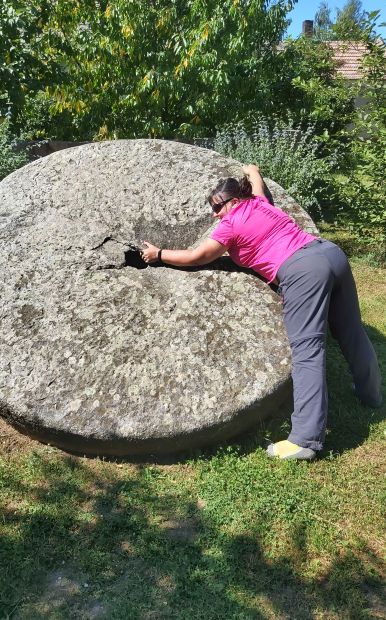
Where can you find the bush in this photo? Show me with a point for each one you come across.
(10, 159)
(366, 188)
(38, 121)
(286, 153)
(363, 188)
(310, 89)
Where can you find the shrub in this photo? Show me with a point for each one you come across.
(364, 187)
(311, 90)
(286, 153)
(363, 190)
(38, 121)
(10, 159)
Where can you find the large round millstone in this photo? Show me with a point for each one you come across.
(100, 357)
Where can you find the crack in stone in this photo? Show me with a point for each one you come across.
(131, 256)
(106, 239)
(102, 267)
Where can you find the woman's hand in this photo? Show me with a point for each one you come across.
(250, 169)
(206, 252)
(150, 253)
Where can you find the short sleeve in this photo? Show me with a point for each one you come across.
(223, 233)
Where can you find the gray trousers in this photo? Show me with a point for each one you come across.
(318, 288)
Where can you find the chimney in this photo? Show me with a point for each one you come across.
(308, 28)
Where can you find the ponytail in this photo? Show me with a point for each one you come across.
(245, 187)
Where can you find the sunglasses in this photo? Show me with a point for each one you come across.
(216, 207)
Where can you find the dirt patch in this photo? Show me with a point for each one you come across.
(62, 589)
(66, 594)
(376, 597)
(94, 612)
(181, 530)
(11, 440)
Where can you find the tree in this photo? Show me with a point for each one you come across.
(10, 158)
(311, 90)
(365, 187)
(323, 22)
(27, 67)
(18, 67)
(349, 24)
(122, 68)
(350, 21)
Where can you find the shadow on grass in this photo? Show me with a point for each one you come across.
(86, 545)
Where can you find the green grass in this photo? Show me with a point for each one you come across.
(226, 535)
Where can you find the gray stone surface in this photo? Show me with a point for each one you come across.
(102, 358)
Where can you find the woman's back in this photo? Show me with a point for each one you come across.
(260, 236)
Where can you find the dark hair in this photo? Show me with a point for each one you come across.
(232, 188)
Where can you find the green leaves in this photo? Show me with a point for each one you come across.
(128, 69)
(350, 22)
(364, 191)
(10, 159)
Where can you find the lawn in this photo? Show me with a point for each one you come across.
(224, 535)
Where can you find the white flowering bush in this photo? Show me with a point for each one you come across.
(286, 153)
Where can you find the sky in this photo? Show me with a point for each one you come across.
(306, 9)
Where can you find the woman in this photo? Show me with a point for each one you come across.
(317, 288)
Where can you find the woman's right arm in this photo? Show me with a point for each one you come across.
(253, 173)
(205, 253)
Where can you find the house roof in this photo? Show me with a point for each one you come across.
(349, 55)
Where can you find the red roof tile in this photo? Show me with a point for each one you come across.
(349, 56)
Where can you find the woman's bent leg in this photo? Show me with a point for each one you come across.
(318, 286)
(346, 327)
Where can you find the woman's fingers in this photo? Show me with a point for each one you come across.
(250, 168)
(149, 253)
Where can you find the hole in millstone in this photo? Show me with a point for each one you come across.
(134, 259)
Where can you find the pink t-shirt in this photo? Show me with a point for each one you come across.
(260, 236)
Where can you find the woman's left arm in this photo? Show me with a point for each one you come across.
(207, 252)
(256, 180)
